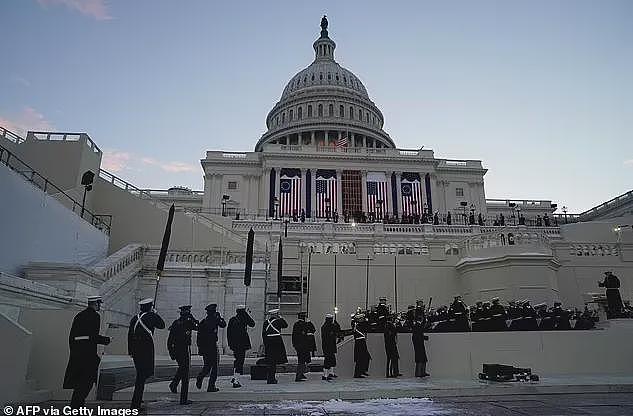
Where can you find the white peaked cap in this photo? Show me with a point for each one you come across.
(273, 311)
(329, 315)
(94, 298)
(241, 307)
(146, 301)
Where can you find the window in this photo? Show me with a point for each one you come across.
(341, 111)
(232, 185)
(300, 113)
(367, 117)
(309, 111)
(320, 110)
(459, 191)
(276, 120)
(360, 114)
(351, 113)
(290, 116)
(331, 110)
(329, 76)
(283, 117)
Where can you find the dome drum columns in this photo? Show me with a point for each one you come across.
(328, 137)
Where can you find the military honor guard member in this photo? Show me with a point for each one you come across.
(274, 349)
(140, 346)
(391, 348)
(330, 331)
(179, 347)
(83, 363)
(614, 300)
(304, 343)
(361, 353)
(239, 341)
(208, 346)
(418, 338)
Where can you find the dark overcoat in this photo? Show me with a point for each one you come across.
(418, 338)
(274, 348)
(140, 343)
(237, 334)
(208, 333)
(83, 362)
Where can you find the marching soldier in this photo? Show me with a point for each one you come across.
(83, 363)
(303, 343)
(614, 300)
(391, 348)
(208, 346)
(239, 341)
(418, 338)
(140, 346)
(274, 349)
(179, 346)
(361, 354)
(329, 333)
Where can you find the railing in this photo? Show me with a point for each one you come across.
(70, 137)
(215, 256)
(17, 165)
(612, 203)
(506, 237)
(12, 137)
(166, 193)
(129, 260)
(594, 249)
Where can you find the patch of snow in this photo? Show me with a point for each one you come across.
(392, 407)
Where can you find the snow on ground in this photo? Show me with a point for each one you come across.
(391, 407)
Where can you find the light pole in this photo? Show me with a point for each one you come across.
(276, 202)
(565, 212)
(86, 180)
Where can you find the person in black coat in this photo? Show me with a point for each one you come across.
(614, 300)
(458, 315)
(208, 346)
(274, 349)
(330, 331)
(140, 346)
(303, 343)
(498, 316)
(418, 338)
(179, 347)
(83, 363)
(361, 353)
(391, 348)
(239, 341)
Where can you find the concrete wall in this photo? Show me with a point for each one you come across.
(135, 220)
(36, 227)
(548, 353)
(14, 358)
(598, 231)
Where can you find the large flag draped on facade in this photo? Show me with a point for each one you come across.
(290, 192)
(325, 192)
(377, 191)
(412, 196)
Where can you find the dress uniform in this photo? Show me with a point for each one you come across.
(329, 333)
(274, 349)
(361, 354)
(497, 316)
(207, 341)
(239, 341)
(303, 342)
(83, 363)
(140, 346)
(391, 348)
(418, 338)
(179, 347)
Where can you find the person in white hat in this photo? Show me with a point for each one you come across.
(140, 346)
(83, 363)
(274, 349)
(239, 341)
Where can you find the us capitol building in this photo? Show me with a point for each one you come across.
(358, 218)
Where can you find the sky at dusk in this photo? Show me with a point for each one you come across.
(540, 91)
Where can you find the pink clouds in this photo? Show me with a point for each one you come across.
(115, 161)
(96, 9)
(28, 119)
(174, 167)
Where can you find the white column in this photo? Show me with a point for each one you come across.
(364, 141)
(339, 193)
(265, 195)
(206, 199)
(387, 205)
(312, 141)
(303, 189)
(364, 190)
(327, 138)
(399, 191)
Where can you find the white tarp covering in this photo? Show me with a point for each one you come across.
(36, 227)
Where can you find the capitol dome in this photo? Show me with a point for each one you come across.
(325, 104)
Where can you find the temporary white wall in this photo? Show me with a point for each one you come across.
(14, 358)
(37, 227)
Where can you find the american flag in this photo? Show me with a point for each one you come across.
(377, 191)
(325, 188)
(289, 196)
(342, 142)
(411, 192)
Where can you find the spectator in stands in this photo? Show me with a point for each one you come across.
(436, 219)
(546, 220)
(502, 220)
(521, 219)
(480, 220)
(539, 221)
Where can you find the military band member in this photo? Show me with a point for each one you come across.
(207, 341)
(239, 341)
(361, 353)
(303, 343)
(418, 338)
(614, 300)
(179, 347)
(546, 322)
(274, 349)
(458, 312)
(83, 363)
(140, 346)
(497, 316)
(329, 333)
(391, 348)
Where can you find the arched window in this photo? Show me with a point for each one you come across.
(360, 114)
(300, 113)
(320, 110)
(309, 111)
(341, 111)
(276, 120)
(367, 117)
(351, 113)
(337, 79)
(312, 77)
(329, 76)
(321, 76)
(331, 110)
(290, 116)
(283, 117)
(374, 117)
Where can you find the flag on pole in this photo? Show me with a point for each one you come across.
(290, 192)
(377, 191)
(163, 249)
(325, 191)
(412, 196)
(342, 142)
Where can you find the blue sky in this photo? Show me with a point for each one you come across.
(540, 91)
